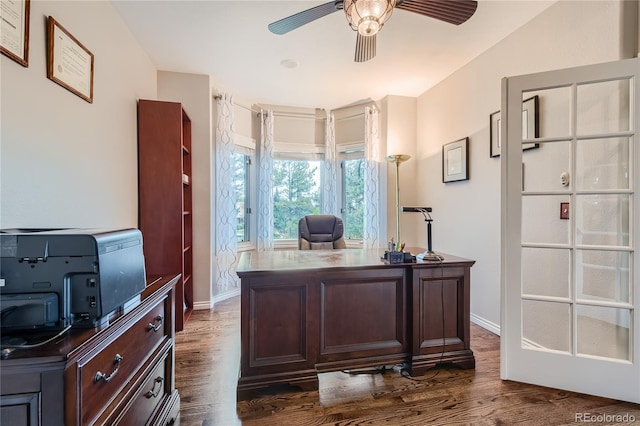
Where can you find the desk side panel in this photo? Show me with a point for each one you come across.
(278, 331)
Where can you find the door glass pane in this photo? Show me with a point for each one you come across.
(602, 219)
(603, 275)
(603, 107)
(546, 325)
(603, 163)
(541, 221)
(542, 168)
(604, 331)
(553, 112)
(546, 271)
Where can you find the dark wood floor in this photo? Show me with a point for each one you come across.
(207, 363)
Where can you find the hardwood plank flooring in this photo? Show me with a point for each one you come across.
(207, 365)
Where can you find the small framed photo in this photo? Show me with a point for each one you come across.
(530, 127)
(14, 30)
(455, 161)
(69, 63)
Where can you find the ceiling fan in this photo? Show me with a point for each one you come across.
(368, 16)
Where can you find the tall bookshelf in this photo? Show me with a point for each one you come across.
(165, 197)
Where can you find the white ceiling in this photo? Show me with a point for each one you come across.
(229, 41)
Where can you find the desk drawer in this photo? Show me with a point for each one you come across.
(150, 394)
(104, 373)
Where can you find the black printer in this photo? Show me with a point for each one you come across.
(67, 277)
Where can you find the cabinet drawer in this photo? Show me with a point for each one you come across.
(104, 373)
(150, 394)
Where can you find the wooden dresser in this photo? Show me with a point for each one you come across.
(121, 373)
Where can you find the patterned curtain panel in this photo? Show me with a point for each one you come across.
(265, 183)
(329, 187)
(372, 237)
(226, 243)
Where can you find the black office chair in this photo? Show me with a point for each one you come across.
(320, 231)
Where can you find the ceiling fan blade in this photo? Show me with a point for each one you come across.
(292, 22)
(452, 11)
(365, 48)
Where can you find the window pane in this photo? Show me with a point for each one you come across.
(546, 325)
(353, 198)
(554, 112)
(603, 219)
(241, 187)
(542, 168)
(296, 193)
(603, 275)
(604, 107)
(603, 163)
(541, 221)
(604, 332)
(546, 271)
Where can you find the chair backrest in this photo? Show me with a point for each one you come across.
(321, 231)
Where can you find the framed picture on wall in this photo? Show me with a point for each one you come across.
(69, 63)
(530, 127)
(14, 34)
(455, 161)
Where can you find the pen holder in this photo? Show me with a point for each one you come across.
(395, 256)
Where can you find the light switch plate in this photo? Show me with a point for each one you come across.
(564, 210)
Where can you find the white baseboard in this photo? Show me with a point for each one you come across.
(486, 324)
(202, 306)
(226, 295)
(206, 305)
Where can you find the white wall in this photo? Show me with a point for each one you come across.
(65, 162)
(194, 92)
(467, 214)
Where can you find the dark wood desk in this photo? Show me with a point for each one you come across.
(304, 312)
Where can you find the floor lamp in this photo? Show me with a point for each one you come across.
(397, 159)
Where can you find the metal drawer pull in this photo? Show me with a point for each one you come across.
(101, 376)
(156, 327)
(151, 393)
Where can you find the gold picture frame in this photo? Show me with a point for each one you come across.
(14, 38)
(69, 63)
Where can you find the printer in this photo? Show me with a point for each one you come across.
(67, 277)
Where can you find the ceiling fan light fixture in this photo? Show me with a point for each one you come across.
(368, 16)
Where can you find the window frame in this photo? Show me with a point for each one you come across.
(292, 243)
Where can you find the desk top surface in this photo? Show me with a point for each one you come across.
(297, 260)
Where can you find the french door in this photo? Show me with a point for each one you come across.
(570, 229)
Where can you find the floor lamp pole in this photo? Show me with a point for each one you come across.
(397, 159)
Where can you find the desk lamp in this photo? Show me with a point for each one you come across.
(429, 254)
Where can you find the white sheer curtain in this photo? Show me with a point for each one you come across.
(265, 183)
(372, 237)
(226, 243)
(330, 178)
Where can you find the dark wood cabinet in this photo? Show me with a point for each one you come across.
(165, 196)
(120, 373)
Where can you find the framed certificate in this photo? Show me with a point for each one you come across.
(69, 63)
(14, 30)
